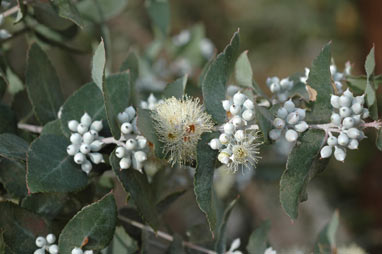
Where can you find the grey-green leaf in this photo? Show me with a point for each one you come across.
(216, 77)
(99, 11)
(203, 180)
(68, 10)
(379, 140)
(122, 243)
(176, 246)
(176, 88)
(96, 222)
(52, 128)
(8, 121)
(220, 245)
(99, 64)
(303, 164)
(131, 63)
(370, 63)
(12, 176)
(264, 120)
(12, 146)
(47, 205)
(43, 85)
(257, 243)
(159, 12)
(243, 70)
(51, 169)
(326, 242)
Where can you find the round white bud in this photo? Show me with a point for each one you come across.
(356, 119)
(88, 252)
(353, 133)
(274, 134)
(86, 166)
(97, 126)
(223, 157)
(349, 94)
(39, 251)
(339, 153)
(229, 128)
(215, 144)
(301, 113)
(82, 128)
(275, 87)
(224, 138)
(345, 112)
(286, 84)
(88, 138)
(335, 119)
(151, 99)
(291, 135)
(235, 109)
(332, 141)
(125, 163)
(96, 145)
(239, 135)
(357, 108)
(94, 133)
(293, 118)
(120, 152)
(359, 99)
(239, 98)
(141, 142)
(348, 122)
(343, 139)
(72, 149)
(289, 105)
(140, 156)
(40, 241)
(53, 249)
(248, 104)
(72, 125)
(248, 115)
(131, 112)
(79, 158)
(365, 113)
(126, 128)
(86, 120)
(237, 121)
(326, 151)
(345, 101)
(85, 148)
(226, 105)
(96, 158)
(353, 144)
(278, 123)
(335, 101)
(282, 113)
(144, 105)
(282, 97)
(76, 138)
(123, 117)
(301, 126)
(77, 251)
(131, 144)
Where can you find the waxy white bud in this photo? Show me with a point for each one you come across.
(141, 142)
(88, 138)
(126, 128)
(125, 163)
(343, 139)
(97, 126)
(239, 98)
(282, 113)
(248, 104)
(72, 149)
(76, 138)
(96, 158)
(123, 117)
(237, 121)
(235, 109)
(79, 158)
(82, 128)
(289, 105)
(223, 157)
(335, 119)
(239, 135)
(39, 251)
(226, 105)
(291, 135)
(278, 123)
(120, 152)
(248, 115)
(140, 156)
(229, 128)
(72, 125)
(50, 238)
(365, 113)
(40, 241)
(357, 108)
(286, 84)
(345, 112)
(131, 112)
(85, 148)
(353, 144)
(53, 249)
(96, 145)
(301, 126)
(301, 113)
(77, 251)
(275, 87)
(86, 120)
(348, 122)
(332, 141)
(224, 138)
(275, 134)
(353, 133)
(339, 153)
(335, 101)
(215, 144)
(345, 101)
(293, 118)
(326, 151)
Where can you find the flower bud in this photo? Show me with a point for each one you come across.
(77, 251)
(237, 121)
(326, 152)
(53, 249)
(86, 120)
(141, 142)
(81, 129)
(301, 126)
(339, 153)
(131, 144)
(151, 99)
(353, 144)
(144, 105)
(333, 69)
(96, 158)
(282, 97)
(224, 139)
(94, 133)
(248, 104)
(239, 135)
(286, 84)
(51, 238)
(365, 113)
(271, 80)
(131, 112)
(359, 99)
(335, 119)
(126, 128)
(72, 125)
(120, 152)
(40, 241)
(235, 109)
(293, 118)
(356, 119)
(343, 139)
(226, 105)
(282, 113)
(345, 101)
(97, 126)
(348, 122)
(275, 87)
(301, 113)
(239, 98)
(215, 144)
(39, 251)
(275, 134)
(291, 135)
(248, 115)
(278, 123)
(96, 145)
(289, 105)
(140, 156)
(72, 149)
(353, 133)
(229, 128)
(335, 101)
(345, 112)
(76, 138)
(79, 158)
(357, 108)
(123, 117)
(87, 138)
(332, 141)
(88, 252)
(223, 157)
(349, 94)
(125, 163)
(85, 148)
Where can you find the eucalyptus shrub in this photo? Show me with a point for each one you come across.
(135, 126)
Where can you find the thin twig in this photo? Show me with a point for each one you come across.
(29, 127)
(165, 235)
(10, 11)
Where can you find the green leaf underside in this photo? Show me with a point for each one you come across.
(47, 205)
(43, 85)
(96, 221)
(370, 88)
(220, 245)
(320, 80)
(302, 165)
(138, 187)
(203, 180)
(264, 120)
(52, 128)
(12, 146)
(99, 64)
(176, 88)
(216, 77)
(163, 204)
(243, 71)
(326, 241)
(88, 99)
(21, 228)
(117, 94)
(66, 9)
(51, 169)
(12, 176)
(257, 243)
(159, 13)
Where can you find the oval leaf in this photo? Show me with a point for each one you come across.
(12, 146)
(12, 176)
(176, 88)
(99, 64)
(66, 9)
(257, 243)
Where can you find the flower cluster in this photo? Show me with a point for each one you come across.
(346, 120)
(289, 119)
(179, 125)
(77, 250)
(238, 144)
(85, 142)
(280, 88)
(151, 102)
(46, 244)
(131, 146)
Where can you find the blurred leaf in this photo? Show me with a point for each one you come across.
(243, 70)
(299, 89)
(12, 176)
(15, 85)
(52, 128)
(75, 106)
(117, 97)
(159, 12)
(51, 169)
(22, 106)
(370, 63)
(379, 140)
(203, 180)
(138, 187)
(122, 243)
(67, 10)
(176, 88)
(220, 245)
(176, 246)
(43, 85)
(357, 84)
(45, 14)
(8, 121)
(303, 164)
(21, 228)
(370, 89)
(131, 63)
(99, 11)
(2, 242)
(47, 205)
(326, 242)
(13, 147)
(3, 86)
(167, 201)
(264, 120)
(320, 80)
(257, 243)
(99, 64)
(21, 12)
(216, 77)
(96, 222)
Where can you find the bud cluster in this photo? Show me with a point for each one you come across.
(151, 102)
(85, 142)
(239, 141)
(130, 150)
(46, 244)
(289, 122)
(77, 250)
(345, 120)
(280, 88)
